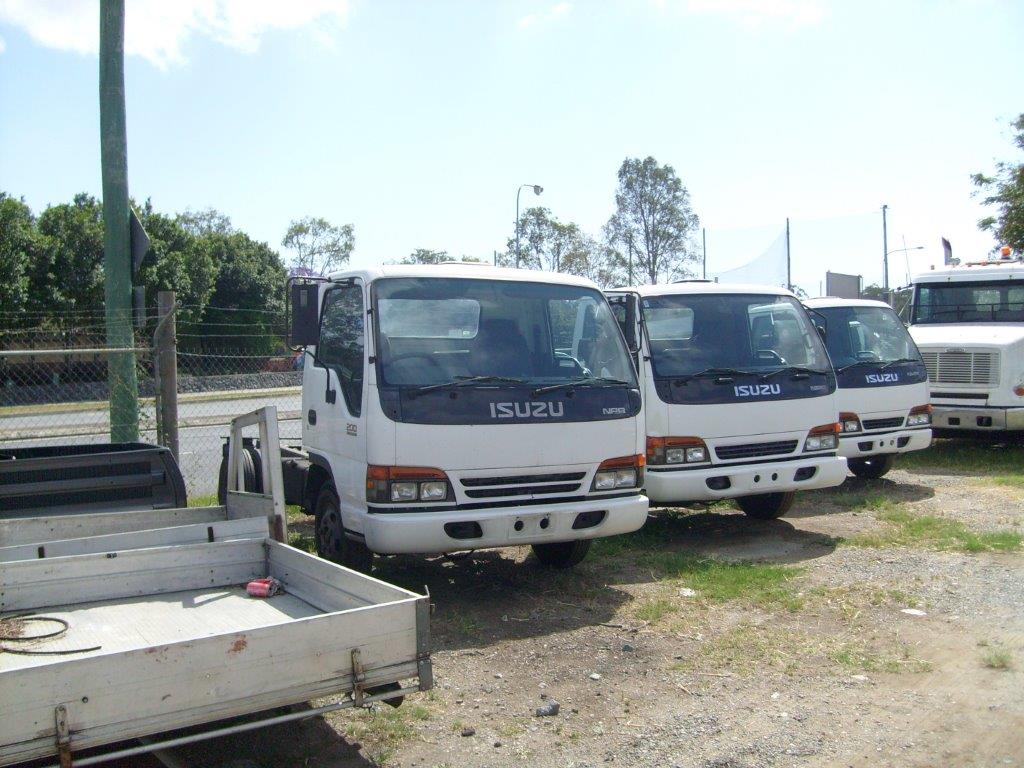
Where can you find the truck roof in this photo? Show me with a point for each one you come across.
(824, 302)
(700, 286)
(985, 270)
(461, 270)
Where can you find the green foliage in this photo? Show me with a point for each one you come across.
(941, 533)
(548, 244)
(20, 247)
(653, 224)
(1005, 190)
(68, 274)
(427, 256)
(319, 246)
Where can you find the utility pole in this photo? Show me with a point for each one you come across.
(117, 266)
(789, 278)
(704, 238)
(629, 246)
(885, 251)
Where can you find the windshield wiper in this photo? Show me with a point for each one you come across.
(593, 381)
(897, 361)
(796, 370)
(857, 365)
(714, 372)
(464, 381)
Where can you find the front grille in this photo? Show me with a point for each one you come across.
(522, 485)
(749, 450)
(962, 367)
(883, 423)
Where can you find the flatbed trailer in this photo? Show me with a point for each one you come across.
(154, 630)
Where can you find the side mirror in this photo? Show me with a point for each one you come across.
(821, 332)
(304, 319)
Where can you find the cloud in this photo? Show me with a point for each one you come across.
(755, 12)
(555, 12)
(158, 30)
(3, 45)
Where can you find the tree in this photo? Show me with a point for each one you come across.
(653, 222)
(548, 244)
(426, 256)
(67, 278)
(1005, 190)
(319, 246)
(20, 246)
(208, 221)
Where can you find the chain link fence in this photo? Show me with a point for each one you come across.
(54, 388)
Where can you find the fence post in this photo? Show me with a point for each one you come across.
(165, 342)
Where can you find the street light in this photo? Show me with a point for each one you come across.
(897, 250)
(537, 189)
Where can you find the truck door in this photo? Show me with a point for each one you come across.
(335, 392)
(624, 308)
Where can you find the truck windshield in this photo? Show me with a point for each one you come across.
(969, 302)
(692, 333)
(436, 331)
(866, 334)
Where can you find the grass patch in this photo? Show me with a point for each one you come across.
(965, 456)
(940, 533)
(859, 656)
(745, 649)
(208, 500)
(1010, 481)
(994, 657)
(383, 729)
(653, 610)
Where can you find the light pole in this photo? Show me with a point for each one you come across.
(537, 189)
(885, 281)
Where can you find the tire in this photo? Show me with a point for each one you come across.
(252, 474)
(331, 542)
(871, 467)
(766, 506)
(564, 554)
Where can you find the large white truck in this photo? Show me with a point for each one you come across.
(968, 322)
(739, 394)
(882, 383)
(457, 407)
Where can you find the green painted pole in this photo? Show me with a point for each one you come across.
(117, 267)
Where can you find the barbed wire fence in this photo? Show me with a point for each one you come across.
(54, 388)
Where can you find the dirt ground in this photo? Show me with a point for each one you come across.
(878, 624)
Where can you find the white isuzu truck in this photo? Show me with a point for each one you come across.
(883, 386)
(968, 322)
(456, 407)
(739, 394)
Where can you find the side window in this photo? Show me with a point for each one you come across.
(620, 309)
(342, 340)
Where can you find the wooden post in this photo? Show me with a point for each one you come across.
(165, 351)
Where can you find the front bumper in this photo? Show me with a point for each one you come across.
(868, 444)
(676, 486)
(977, 419)
(424, 532)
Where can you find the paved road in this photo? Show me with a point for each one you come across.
(199, 445)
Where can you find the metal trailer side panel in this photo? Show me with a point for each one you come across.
(224, 530)
(36, 530)
(125, 695)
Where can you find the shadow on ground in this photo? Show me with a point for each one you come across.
(855, 493)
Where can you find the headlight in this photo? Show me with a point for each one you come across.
(920, 416)
(850, 422)
(823, 438)
(403, 491)
(622, 472)
(433, 491)
(676, 450)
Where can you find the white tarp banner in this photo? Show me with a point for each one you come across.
(767, 269)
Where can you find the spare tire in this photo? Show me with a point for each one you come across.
(252, 473)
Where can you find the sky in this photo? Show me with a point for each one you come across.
(417, 121)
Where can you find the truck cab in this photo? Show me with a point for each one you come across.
(882, 383)
(458, 407)
(968, 322)
(739, 394)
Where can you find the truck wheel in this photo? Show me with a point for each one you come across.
(871, 467)
(331, 542)
(252, 474)
(564, 554)
(766, 506)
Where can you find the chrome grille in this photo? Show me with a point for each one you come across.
(962, 367)
(522, 485)
(748, 450)
(883, 423)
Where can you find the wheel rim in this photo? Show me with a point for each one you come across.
(328, 532)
